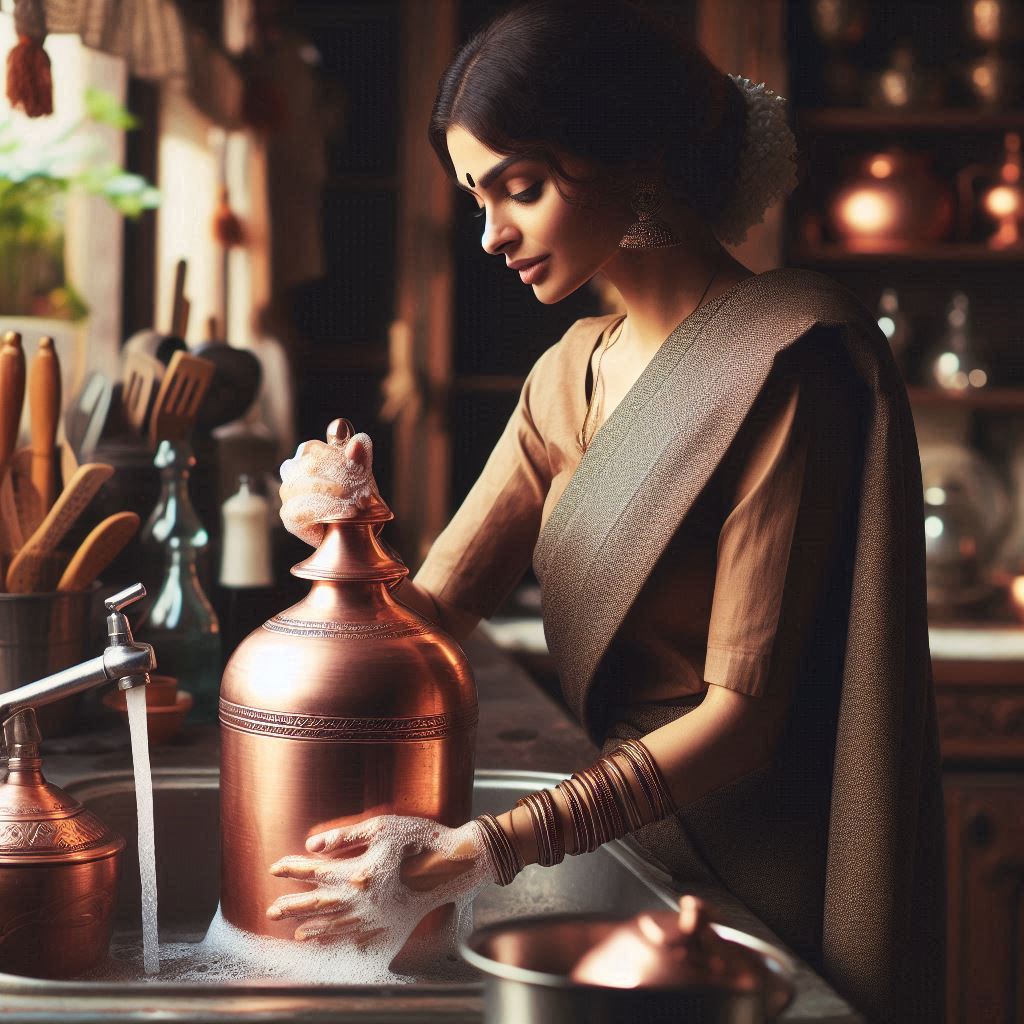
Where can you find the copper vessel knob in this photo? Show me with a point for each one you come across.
(59, 867)
(345, 706)
(662, 950)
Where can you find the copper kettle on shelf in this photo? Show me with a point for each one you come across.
(891, 202)
(345, 706)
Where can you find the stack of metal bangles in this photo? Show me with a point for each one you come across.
(602, 804)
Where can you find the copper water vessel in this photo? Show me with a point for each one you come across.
(345, 706)
(58, 868)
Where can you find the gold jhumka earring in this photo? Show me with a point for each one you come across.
(649, 232)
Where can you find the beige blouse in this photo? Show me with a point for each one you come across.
(710, 610)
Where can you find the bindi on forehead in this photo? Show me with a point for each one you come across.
(469, 178)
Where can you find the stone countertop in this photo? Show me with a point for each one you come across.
(520, 727)
(982, 641)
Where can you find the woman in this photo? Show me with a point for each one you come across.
(721, 496)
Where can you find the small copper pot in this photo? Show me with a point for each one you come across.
(59, 866)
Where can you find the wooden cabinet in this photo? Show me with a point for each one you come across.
(981, 723)
(985, 843)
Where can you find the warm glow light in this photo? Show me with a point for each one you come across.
(1003, 201)
(982, 78)
(977, 378)
(932, 527)
(935, 495)
(880, 167)
(867, 211)
(948, 363)
(985, 14)
(887, 326)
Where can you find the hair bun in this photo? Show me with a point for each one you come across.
(767, 166)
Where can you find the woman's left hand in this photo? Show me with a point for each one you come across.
(377, 879)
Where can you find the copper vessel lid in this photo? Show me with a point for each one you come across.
(662, 950)
(351, 548)
(40, 822)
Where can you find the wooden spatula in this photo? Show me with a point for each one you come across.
(177, 401)
(141, 378)
(44, 415)
(98, 550)
(25, 571)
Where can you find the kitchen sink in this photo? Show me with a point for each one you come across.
(614, 880)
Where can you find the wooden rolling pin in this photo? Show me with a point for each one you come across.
(44, 415)
(12, 395)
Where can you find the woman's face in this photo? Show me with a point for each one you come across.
(526, 219)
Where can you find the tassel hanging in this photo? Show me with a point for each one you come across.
(227, 228)
(29, 82)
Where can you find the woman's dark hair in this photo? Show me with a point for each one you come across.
(606, 81)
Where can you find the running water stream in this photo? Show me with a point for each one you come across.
(136, 699)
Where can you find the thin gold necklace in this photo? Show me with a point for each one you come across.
(582, 441)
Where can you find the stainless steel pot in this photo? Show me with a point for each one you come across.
(655, 967)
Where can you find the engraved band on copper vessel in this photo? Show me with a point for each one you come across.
(329, 728)
(318, 630)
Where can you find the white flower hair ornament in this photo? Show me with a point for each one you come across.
(767, 167)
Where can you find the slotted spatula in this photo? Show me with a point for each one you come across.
(177, 402)
(141, 377)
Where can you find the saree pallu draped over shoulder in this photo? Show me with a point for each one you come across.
(877, 832)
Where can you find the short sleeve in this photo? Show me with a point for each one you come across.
(783, 485)
(486, 548)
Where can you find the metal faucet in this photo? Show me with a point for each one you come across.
(124, 660)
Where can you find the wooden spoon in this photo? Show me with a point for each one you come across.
(44, 415)
(98, 550)
(25, 571)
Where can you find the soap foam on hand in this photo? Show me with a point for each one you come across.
(387, 908)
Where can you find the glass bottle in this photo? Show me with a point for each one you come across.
(180, 621)
(954, 363)
(894, 323)
(246, 593)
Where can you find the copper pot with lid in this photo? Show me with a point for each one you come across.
(658, 966)
(345, 706)
(59, 866)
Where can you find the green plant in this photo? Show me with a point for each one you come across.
(35, 182)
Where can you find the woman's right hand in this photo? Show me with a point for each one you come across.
(326, 481)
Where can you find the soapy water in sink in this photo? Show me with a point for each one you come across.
(228, 954)
(136, 701)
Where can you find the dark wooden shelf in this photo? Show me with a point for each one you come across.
(966, 119)
(991, 399)
(488, 382)
(940, 252)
